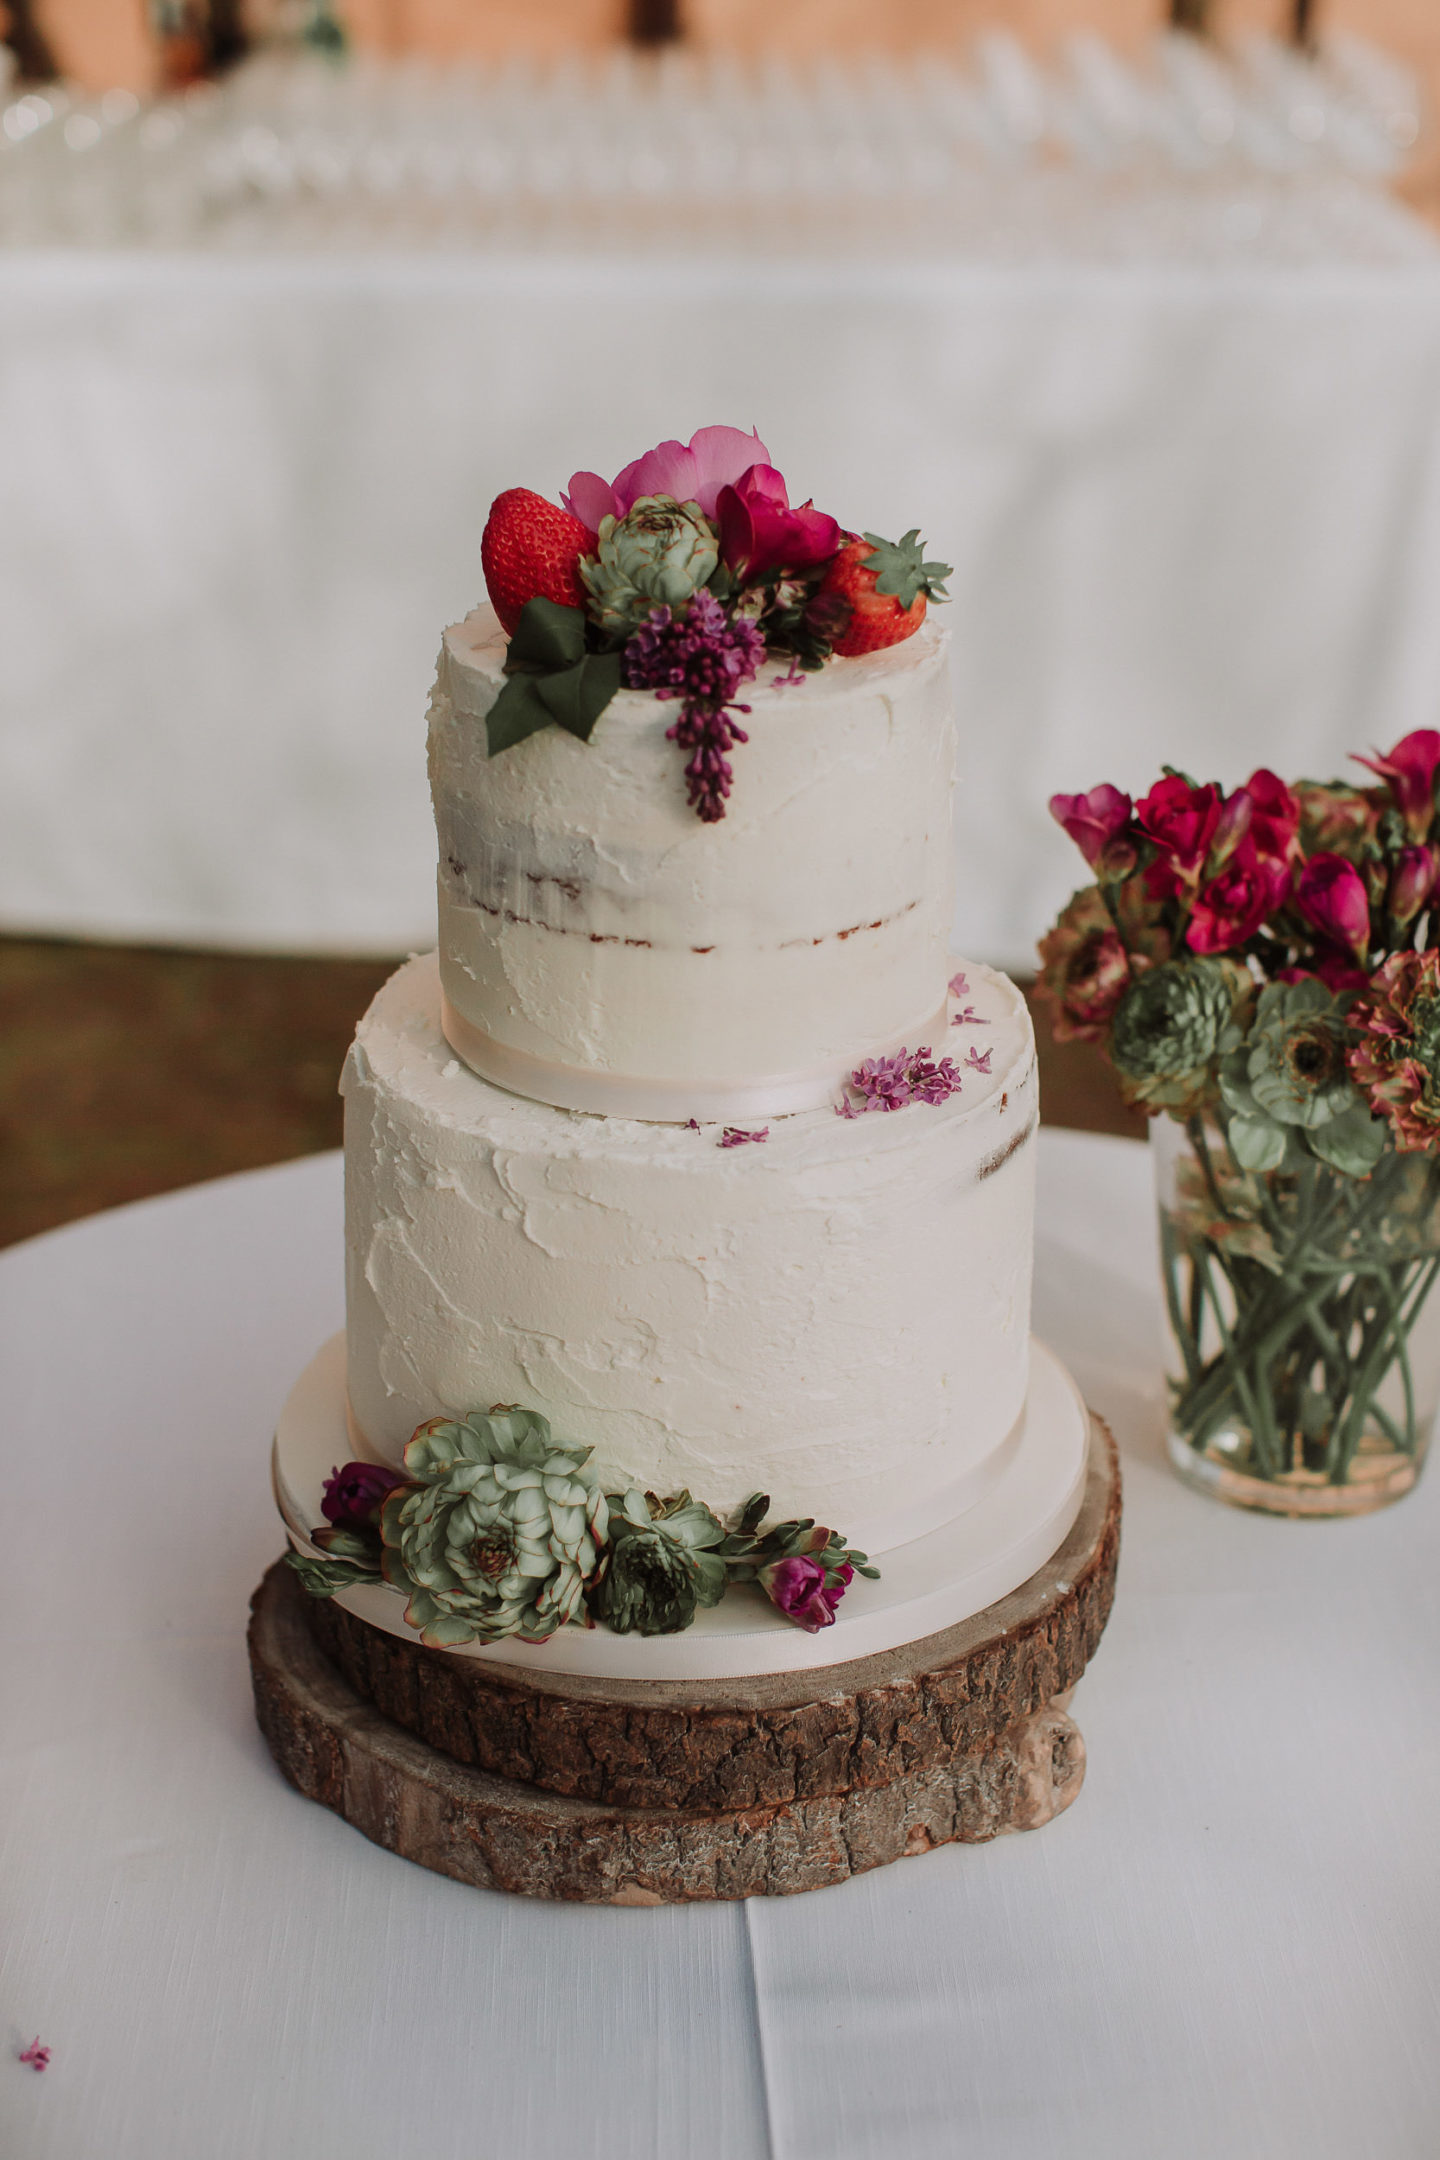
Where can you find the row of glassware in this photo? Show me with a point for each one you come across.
(687, 145)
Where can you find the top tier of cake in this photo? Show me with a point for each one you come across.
(602, 949)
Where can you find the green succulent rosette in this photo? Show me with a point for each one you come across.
(1287, 1087)
(1170, 1028)
(658, 555)
(498, 1533)
(661, 1565)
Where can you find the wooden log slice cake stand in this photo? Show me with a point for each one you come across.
(654, 1792)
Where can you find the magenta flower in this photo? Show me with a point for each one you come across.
(352, 1497)
(714, 458)
(1275, 816)
(1234, 823)
(1096, 823)
(760, 532)
(1409, 772)
(1181, 820)
(979, 1060)
(1331, 895)
(959, 985)
(37, 2055)
(1412, 881)
(1232, 907)
(797, 1587)
(736, 1136)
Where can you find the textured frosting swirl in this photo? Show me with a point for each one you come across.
(838, 1316)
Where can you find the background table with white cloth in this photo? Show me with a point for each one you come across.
(1227, 1945)
(1193, 505)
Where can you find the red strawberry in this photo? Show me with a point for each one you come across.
(885, 584)
(531, 550)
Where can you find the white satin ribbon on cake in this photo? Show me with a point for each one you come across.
(666, 1102)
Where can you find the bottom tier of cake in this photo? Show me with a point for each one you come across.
(957, 1568)
(833, 1310)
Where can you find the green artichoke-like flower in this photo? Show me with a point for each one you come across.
(661, 1566)
(658, 555)
(1289, 1077)
(1169, 1028)
(498, 1534)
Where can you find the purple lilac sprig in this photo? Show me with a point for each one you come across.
(736, 1136)
(889, 1083)
(702, 658)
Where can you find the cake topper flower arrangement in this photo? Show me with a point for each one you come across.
(495, 1529)
(678, 576)
(1263, 968)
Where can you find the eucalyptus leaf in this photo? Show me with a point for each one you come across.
(1352, 1144)
(1257, 1143)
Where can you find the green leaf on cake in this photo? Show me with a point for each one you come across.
(553, 680)
(322, 1578)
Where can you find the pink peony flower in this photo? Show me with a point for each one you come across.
(1232, 907)
(1409, 772)
(351, 1498)
(1181, 820)
(797, 1587)
(1096, 823)
(1331, 895)
(760, 532)
(694, 472)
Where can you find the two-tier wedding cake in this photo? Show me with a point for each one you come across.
(689, 1185)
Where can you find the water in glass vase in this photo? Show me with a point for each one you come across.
(1304, 1345)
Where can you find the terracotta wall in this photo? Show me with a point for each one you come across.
(105, 42)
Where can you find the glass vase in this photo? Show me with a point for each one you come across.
(1304, 1344)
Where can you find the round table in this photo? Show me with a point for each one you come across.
(1225, 1946)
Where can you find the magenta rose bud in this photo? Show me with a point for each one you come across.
(1233, 906)
(1231, 828)
(1181, 820)
(1274, 816)
(1331, 895)
(1096, 823)
(352, 1497)
(1411, 882)
(760, 532)
(797, 1587)
(1409, 772)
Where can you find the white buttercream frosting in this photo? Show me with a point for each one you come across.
(590, 923)
(837, 1316)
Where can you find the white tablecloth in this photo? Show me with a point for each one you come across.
(1227, 1946)
(1195, 515)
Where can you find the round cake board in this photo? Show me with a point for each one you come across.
(630, 1792)
(962, 1563)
